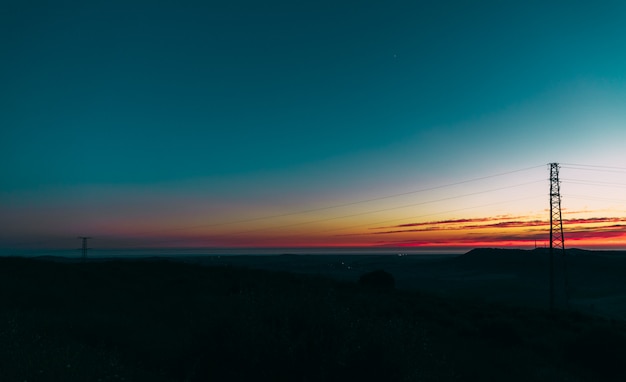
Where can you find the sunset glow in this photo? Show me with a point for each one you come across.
(498, 210)
(282, 125)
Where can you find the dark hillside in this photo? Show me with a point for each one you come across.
(499, 258)
(170, 321)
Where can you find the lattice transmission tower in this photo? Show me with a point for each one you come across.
(84, 247)
(557, 240)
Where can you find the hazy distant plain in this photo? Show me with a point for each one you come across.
(596, 282)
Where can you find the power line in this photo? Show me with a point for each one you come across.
(595, 184)
(39, 242)
(593, 166)
(380, 197)
(338, 206)
(268, 217)
(364, 213)
(409, 218)
(398, 207)
(231, 235)
(616, 170)
(595, 198)
(432, 214)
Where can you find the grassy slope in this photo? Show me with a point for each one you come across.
(167, 321)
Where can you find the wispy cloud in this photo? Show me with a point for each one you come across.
(501, 230)
(594, 220)
(437, 222)
(489, 223)
(450, 221)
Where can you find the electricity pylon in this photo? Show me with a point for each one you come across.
(84, 247)
(557, 241)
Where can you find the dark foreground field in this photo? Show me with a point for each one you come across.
(170, 321)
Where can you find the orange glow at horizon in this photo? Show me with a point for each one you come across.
(502, 211)
(499, 231)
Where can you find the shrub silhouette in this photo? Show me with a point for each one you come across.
(378, 279)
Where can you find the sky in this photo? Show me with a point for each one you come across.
(417, 124)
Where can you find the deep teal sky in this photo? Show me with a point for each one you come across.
(295, 92)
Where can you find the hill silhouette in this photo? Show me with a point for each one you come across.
(165, 320)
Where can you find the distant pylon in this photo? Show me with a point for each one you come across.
(557, 241)
(84, 247)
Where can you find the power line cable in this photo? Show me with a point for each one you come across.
(268, 217)
(594, 166)
(396, 208)
(409, 218)
(593, 182)
(432, 214)
(606, 170)
(367, 212)
(228, 235)
(596, 198)
(104, 237)
(598, 184)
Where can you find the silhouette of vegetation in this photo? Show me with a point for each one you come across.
(378, 279)
(170, 321)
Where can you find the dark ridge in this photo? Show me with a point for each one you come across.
(500, 256)
(506, 254)
(583, 265)
(495, 251)
(163, 321)
(59, 259)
